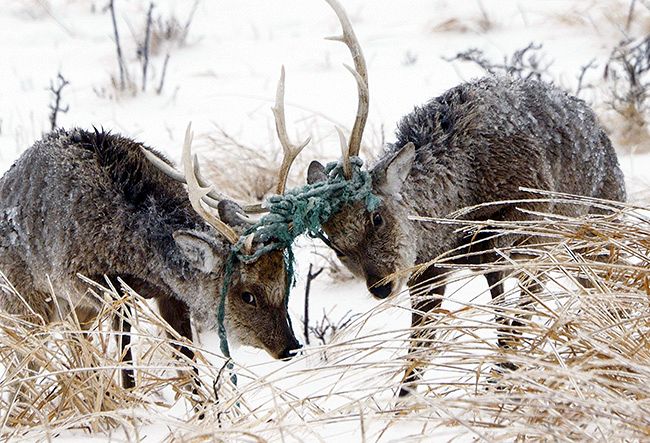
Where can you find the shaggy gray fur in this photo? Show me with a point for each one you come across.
(478, 142)
(481, 141)
(90, 203)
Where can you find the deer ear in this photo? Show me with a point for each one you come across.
(230, 213)
(197, 249)
(397, 170)
(316, 173)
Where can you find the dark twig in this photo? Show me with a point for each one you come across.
(56, 107)
(145, 48)
(583, 70)
(476, 56)
(215, 388)
(327, 328)
(186, 27)
(162, 75)
(120, 58)
(310, 276)
(630, 15)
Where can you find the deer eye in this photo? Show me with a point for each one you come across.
(377, 219)
(248, 298)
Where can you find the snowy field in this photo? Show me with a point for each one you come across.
(221, 76)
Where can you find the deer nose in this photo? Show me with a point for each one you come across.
(290, 351)
(379, 291)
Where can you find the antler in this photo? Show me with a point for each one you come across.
(213, 197)
(172, 173)
(197, 192)
(290, 151)
(360, 74)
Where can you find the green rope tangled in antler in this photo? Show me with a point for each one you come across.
(299, 211)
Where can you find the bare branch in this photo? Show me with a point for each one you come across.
(145, 48)
(581, 76)
(310, 277)
(186, 27)
(118, 47)
(56, 107)
(627, 72)
(630, 15)
(327, 328)
(162, 76)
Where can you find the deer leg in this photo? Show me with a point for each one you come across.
(422, 301)
(504, 331)
(509, 334)
(123, 327)
(177, 314)
(529, 285)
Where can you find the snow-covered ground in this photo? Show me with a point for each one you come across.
(225, 75)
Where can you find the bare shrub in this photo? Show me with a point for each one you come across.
(582, 84)
(327, 328)
(159, 35)
(627, 77)
(171, 31)
(525, 63)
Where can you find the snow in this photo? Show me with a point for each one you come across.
(226, 75)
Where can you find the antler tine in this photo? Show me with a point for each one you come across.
(213, 197)
(197, 192)
(172, 173)
(345, 153)
(290, 151)
(360, 73)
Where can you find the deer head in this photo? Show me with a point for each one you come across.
(372, 244)
(255, 306)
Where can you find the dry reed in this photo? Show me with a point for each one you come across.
(582, 356)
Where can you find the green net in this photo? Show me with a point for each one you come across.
(299, 211)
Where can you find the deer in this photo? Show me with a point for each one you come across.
(99, 204)
(486, 140)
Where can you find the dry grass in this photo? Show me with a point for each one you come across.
(585, 354)
(584, 359)
(479, 22)
(257, 168)
(65, 375)
(171, 31)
